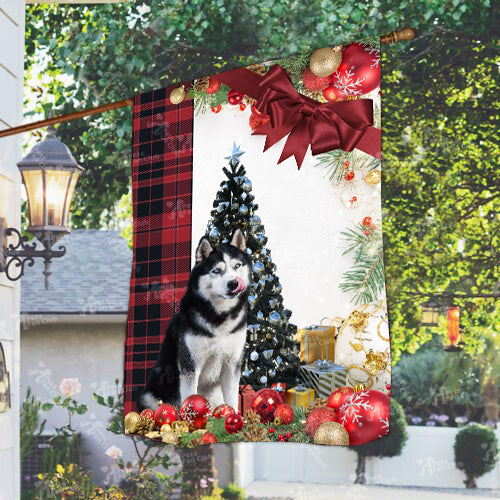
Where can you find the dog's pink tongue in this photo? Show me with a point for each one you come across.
(241, 285)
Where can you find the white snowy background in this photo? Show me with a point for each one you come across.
(302, 213)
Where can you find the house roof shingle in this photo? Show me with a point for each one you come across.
(92, 278)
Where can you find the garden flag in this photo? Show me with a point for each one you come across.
(257, 297)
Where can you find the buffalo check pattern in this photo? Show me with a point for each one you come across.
(162, 172)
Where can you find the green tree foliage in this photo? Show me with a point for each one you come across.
(440, 184)
(476, 452)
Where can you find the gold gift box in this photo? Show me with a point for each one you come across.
(299, 396)
(317, 342)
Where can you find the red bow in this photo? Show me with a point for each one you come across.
(324, 126)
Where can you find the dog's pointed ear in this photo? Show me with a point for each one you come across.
(204, 249)
(238, 240)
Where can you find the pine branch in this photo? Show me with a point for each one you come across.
(204, 102)
(371, 41)
(295, 65)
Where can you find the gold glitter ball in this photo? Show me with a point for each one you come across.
(375, 362)
(325, 61)
(177, 95)
(180, 426)
(373, 178)
(332, 434)
(165, 428)
(131, 420)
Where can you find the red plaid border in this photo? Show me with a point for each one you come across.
(162, 171)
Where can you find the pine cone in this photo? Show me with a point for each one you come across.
(251, 417)
(201, 84)
(318, 402)
(144, 425)
(257, 68)
(255, 433)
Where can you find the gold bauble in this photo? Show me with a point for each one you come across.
(331, 433)
(131, 420)
(359, 388)
(325, 61)
(177, 95)
(375, 362)
(170, 437)
(165, 428)
(373, 177)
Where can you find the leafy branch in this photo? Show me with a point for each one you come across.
(366, 278)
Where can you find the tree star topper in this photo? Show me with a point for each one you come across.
(234, 154)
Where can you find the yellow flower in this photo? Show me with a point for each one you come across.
(60, 469)
(40, 476)
(70, 468)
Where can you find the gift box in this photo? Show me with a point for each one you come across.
(317, 342)
(323, 376)
(245, 397)
(299, 396)
(279, 387)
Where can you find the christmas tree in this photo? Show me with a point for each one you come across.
(271, 354)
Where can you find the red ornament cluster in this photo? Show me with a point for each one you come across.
(317, 417)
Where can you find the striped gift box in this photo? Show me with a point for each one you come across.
(323, 376)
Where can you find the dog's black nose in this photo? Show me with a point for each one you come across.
(232, 285)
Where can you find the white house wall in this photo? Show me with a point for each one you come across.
(11, 88)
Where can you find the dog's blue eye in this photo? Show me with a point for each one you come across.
(237, 265)
(216, 271)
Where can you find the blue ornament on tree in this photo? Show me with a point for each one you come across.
(260, 316)
(243, 210)
(258, 267)
(214, 233)
(275, 318)
(247, 185)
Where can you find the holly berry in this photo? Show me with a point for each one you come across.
(346, 163)
(271, 430)
(349, 176)
(216, 109)
(389, 393)
(243, 106)
(213, 86)
(367, 232)
(148, 413)
(288, 435)
(367, 221)
(373, 226)
(280, 437)
(388, 387)
(354, 198)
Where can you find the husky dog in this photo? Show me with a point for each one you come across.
(203, 346)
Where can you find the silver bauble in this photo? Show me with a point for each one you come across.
(247, 185)
(268, 354)
(254, 355)
(243, 210)
(272, 373)
(263, 379)
(258, 267)
(260, 315)
(214, 233)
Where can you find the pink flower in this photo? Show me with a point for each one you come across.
(70, 386)
(203, 483)
(114, 452)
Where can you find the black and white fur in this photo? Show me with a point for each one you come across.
(203, 346)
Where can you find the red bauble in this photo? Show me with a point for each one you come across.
(367, 221)
(313, 82)
(365, 416)
(216, 109)
(285, 413)
(148, 413)
(233, 423)
(349, 176)
(332, 93)
(359, 72)
(195, 410)
(208, 438)
(265, 402)
(234, 97)
(165, 414)
(213, 86)
(338, 397)
(257, 121)
(317, 417)
(367, 232)
(222, 411)
(243, 107)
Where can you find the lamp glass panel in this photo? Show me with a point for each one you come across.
(34, 191)
(55, 194)
(71, 191)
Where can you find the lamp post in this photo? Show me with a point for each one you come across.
(50, 173)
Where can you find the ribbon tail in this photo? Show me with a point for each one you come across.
(297, 143)
(371, 142)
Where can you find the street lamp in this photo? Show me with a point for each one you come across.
(429, 313)
(50, 173)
